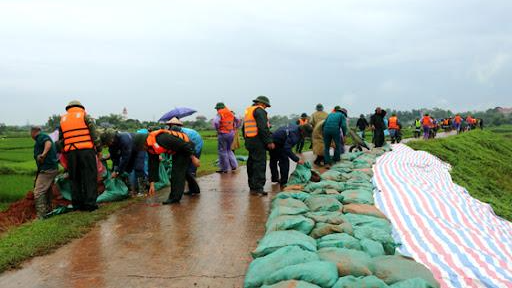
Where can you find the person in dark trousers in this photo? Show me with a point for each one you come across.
(79, 142)
(45, 155)
(284, 139)
(481, 123)
(258, 139)
(303, 120)
(126, 158)
(334, 126)
(378, 126)
(361, 125)
(182, 150)
(176, 125)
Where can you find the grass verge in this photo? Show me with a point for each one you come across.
(41, 237)
(481, 162)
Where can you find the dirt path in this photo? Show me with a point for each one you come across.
(204, 242)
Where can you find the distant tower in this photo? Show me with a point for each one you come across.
(125, 113)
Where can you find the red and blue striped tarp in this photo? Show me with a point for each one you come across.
(439, 224)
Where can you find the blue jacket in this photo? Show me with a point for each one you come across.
(121, 151)
(194, 136)
(287, 137)
(336, 121)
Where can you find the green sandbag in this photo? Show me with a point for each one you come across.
(322, 229)
(333, 175)
(262, 267)
(350, 156)
(287, 206)
(358, 184)
(275, 240)
(335, 217)
(163, 176)
(323, 185)
(412, 283)
(291, 284)
(372, 247)
(115, 190)
(290, 222)
(359, 220)
(301, 175)
(64, 185)
(361, 163)
(359, 196)
(343, 165)
(298, 195)
(349, 261)
(358, 175)
(393, 269)
(323, 203)
(376, 234)
(360, 282)
(339, 240)
(321, 273)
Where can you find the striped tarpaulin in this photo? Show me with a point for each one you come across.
(457, 237)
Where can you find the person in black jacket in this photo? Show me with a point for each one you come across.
(378, 126)
(361, 125)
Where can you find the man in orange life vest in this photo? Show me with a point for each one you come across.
(428, 124)
(303, 120)
(394, 128)
(182, 149)
(225, 123)
(79, 142)
(258, 139)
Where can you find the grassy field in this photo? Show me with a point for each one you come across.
(481, 162)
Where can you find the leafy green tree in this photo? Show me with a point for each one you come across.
(53, 122)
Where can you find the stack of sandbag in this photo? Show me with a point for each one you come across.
(329, 234)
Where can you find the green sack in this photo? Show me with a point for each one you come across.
(412, 283)
(335, 217)
(358, 175)
(324, 185)
(361, 163)
(350, 156)
(115, 190)
(334, 175)
(163, 176)
(359, 196)
(261, 268)
(287, 206)
(343, 165)
(376, 234)
(291, 284)
(360, 282)
(290, 222)
(323, 229)
(301, 175)
(353, 184)
(393, 269)
(64, 185)
(275, 240)
(321, 273)
(297, 195)
(349, 261)
(60, 210)
(339, 240)
(359, 220)
(323, 203)
(372, 248)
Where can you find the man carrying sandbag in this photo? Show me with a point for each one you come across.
(79, 142)
(126, 158)
(285, 138)
(179, 145)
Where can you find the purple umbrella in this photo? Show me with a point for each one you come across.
(178, 112)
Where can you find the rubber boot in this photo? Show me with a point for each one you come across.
(41, 206)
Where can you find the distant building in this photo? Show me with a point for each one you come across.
(504, 110)
(125, 113)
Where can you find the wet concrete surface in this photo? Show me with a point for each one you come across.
(203, 242)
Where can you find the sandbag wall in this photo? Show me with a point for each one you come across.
(329, 234)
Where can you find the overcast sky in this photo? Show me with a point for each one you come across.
(150, 56)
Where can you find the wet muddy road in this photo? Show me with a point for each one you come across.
(203, 242)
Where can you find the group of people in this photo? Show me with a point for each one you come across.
(136, 156)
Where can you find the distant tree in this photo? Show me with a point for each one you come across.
(3, 128)
(53, 122)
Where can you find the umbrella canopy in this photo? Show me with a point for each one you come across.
(179, 113)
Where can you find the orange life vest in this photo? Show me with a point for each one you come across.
(75, 132)
(393, 123)
(227, 120)
(250, 125)
(427, 121)
(153, 146)
(303, 121)
(458, 119)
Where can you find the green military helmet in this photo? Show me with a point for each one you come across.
(337, 108)
(319, 107)
(107, 137)
(74, 103)
(304, 115)
(262, 99)
(220, 105)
